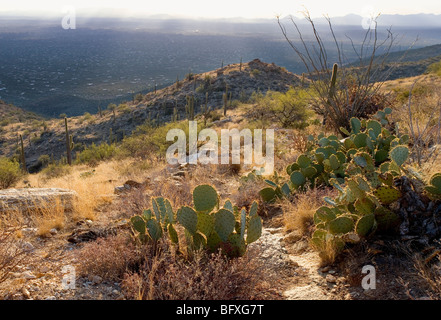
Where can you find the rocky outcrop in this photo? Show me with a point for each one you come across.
(36, 199)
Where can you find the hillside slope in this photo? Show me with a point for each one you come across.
(239, 81)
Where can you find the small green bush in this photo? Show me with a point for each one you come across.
(289, 110)
(435, 68)
(9, 172)
(54, 170)
(93, 154)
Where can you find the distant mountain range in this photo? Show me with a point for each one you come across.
(420, 20)
(396, 20)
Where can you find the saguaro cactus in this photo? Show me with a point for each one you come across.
(22, 156)
(189, 108)
(69, 143)
(333, 81)
(225, 100)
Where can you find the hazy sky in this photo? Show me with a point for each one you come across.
(224, 8)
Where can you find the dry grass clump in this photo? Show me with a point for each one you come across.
(108, 257)
(48, 216)
(430, 273)
(167, 276)
(93, 187)
(11, 254)
(299, 212)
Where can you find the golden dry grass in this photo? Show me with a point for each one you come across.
(94, 187)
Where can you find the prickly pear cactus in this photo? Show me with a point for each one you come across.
(399, 154)
(434, 187)
(342, 224)
(205, 198)
(224, 223)
(365, 225)
(188, 218)
(387, 194)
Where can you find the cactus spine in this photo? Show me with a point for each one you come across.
(69, 143)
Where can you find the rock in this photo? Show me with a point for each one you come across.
(29, 230)
(325, 269)
(27, 246)
(128, 185)
(330, 278)
(51, 298)
(44, 269)
(96, 279)
(293, 236)
(28, 275)
(26, 293)
(53, 231)
(31, 199)
(180, 174)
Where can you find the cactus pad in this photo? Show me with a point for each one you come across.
(188, 218)
(154, 229)
(364, 206)
(355, 125)
(297, 178)
(309, 172)
(303, 161)
(341, 224)
(365, 224)
(224, 223)
(254, 229)
(360, 140)
(138, 224)
(375, 126)
(268, 194)
(324, 214)
(387, 194)
(205, 223)
(399, 154)
(205, 198)
(213, 241)
(173, 234)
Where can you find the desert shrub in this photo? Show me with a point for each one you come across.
(44, 160)
(335, 82)
(108, 257)
(289, 110)
(9, 172)
(11, 254)
(93, 154)
(55, 170)
(207, 277)
(138, 98)
(435, 68)
(147, 141)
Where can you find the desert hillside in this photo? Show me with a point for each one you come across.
(341, 198)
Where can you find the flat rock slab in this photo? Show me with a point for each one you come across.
(33, 199)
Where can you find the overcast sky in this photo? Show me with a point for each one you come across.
(222, 9)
